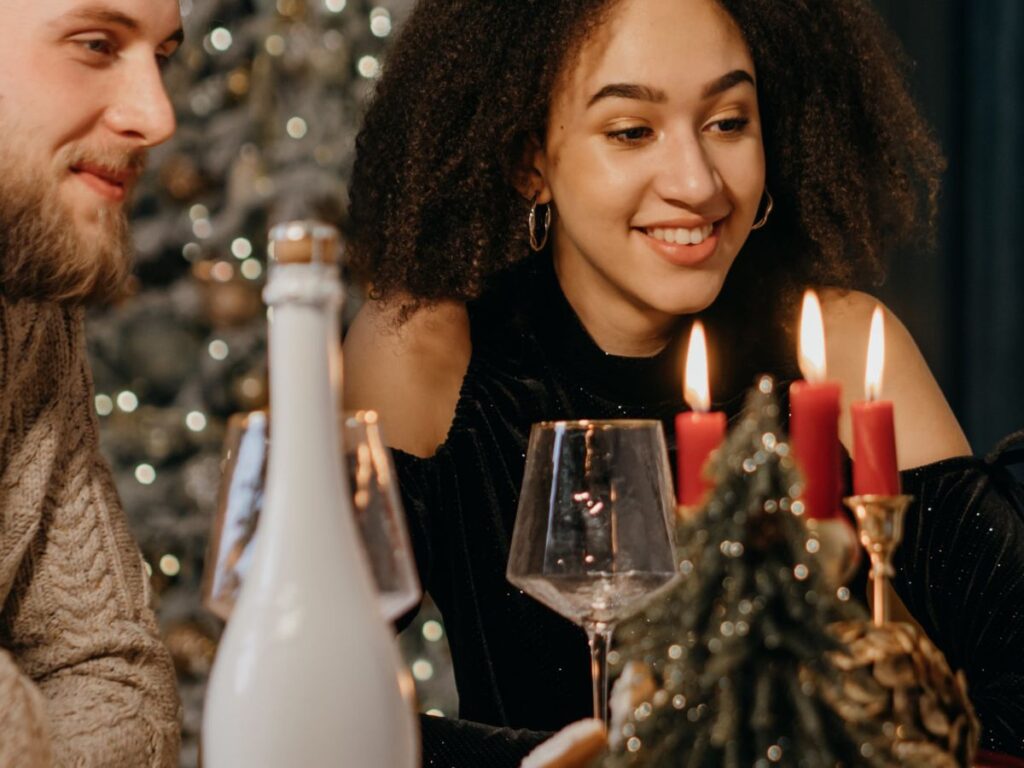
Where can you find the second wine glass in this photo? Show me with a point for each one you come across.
(594, 527)
(375, 499)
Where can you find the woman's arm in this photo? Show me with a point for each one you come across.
(926, 429)
(959, 568)
(410, 373)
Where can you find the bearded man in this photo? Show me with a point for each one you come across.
(84, 678)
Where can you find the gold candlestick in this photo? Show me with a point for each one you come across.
(880, 526)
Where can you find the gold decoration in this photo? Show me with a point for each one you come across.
(635, 686)
(880, 525)
(251, 390)
(192, 648)
(228, 298)
(291, 9)
(835, 544)
(181, 178)
(910, 688)
(238, 81)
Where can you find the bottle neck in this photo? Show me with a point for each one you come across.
(304, 473)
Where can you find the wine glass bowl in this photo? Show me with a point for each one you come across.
(376, 502)
(239, 502)
(379, 514)
(594, 527)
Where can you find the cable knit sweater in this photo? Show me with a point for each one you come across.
(84, 678)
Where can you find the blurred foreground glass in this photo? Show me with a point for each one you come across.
(375, 499)
(594, 528)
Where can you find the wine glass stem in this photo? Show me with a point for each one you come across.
(599, 635)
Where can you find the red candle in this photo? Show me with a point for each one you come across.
(875, 469)
(699, 432)
(814, 420)
(814, 434)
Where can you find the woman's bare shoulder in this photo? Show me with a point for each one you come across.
(926, 428)
(410, 372)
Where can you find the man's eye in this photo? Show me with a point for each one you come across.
(98, 46)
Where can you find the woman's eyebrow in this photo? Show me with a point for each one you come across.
(656, 96)
(725, 82)
(628, 91)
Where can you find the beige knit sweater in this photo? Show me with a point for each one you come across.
(84, 678)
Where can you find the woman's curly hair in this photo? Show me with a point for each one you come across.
(851, 164)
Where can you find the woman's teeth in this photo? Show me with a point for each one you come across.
(682, 236)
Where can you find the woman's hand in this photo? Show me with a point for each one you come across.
(575, 746)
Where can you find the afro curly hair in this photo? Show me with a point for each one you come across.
(435, 214)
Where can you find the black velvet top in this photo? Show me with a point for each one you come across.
(519, 665)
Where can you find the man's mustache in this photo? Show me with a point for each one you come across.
(117, 160)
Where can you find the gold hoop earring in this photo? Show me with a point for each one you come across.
(534, 244)
(767, 211)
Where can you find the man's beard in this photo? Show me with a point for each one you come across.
(43, 254)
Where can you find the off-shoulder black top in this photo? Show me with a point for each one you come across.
(517, 664)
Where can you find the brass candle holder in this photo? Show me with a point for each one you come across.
(880, 527)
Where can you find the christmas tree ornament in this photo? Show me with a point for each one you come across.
(911, 690)
(228, 297)
(250, 389)
(181, 177)
(157, 435)
(157, 354)
(231, 354)
(634, 686)
(192, 648)
(740, 647)
(835, 543)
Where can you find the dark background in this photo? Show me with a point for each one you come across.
(963, 301)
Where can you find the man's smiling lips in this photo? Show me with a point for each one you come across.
(109, 183)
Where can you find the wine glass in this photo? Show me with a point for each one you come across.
(380, 515)
(375, 497)
(594, 528)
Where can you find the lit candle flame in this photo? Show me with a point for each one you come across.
(812, 339)
(876, 356)
(697, 390)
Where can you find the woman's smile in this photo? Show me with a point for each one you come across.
(682, 247)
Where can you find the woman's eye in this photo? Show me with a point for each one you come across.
(632, 135)
(731, 124)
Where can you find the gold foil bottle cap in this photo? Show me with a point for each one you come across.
(305, 242)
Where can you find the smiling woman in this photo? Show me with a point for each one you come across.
(642, 153)
(546, 194)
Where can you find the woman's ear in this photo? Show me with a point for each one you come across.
(530, 175)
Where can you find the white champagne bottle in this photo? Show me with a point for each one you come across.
(307, 673)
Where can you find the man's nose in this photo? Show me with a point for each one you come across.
(141, 110)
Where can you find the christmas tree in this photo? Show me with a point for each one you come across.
(269, 96)
(741, 651)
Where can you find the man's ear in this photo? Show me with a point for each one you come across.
(530, 175)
